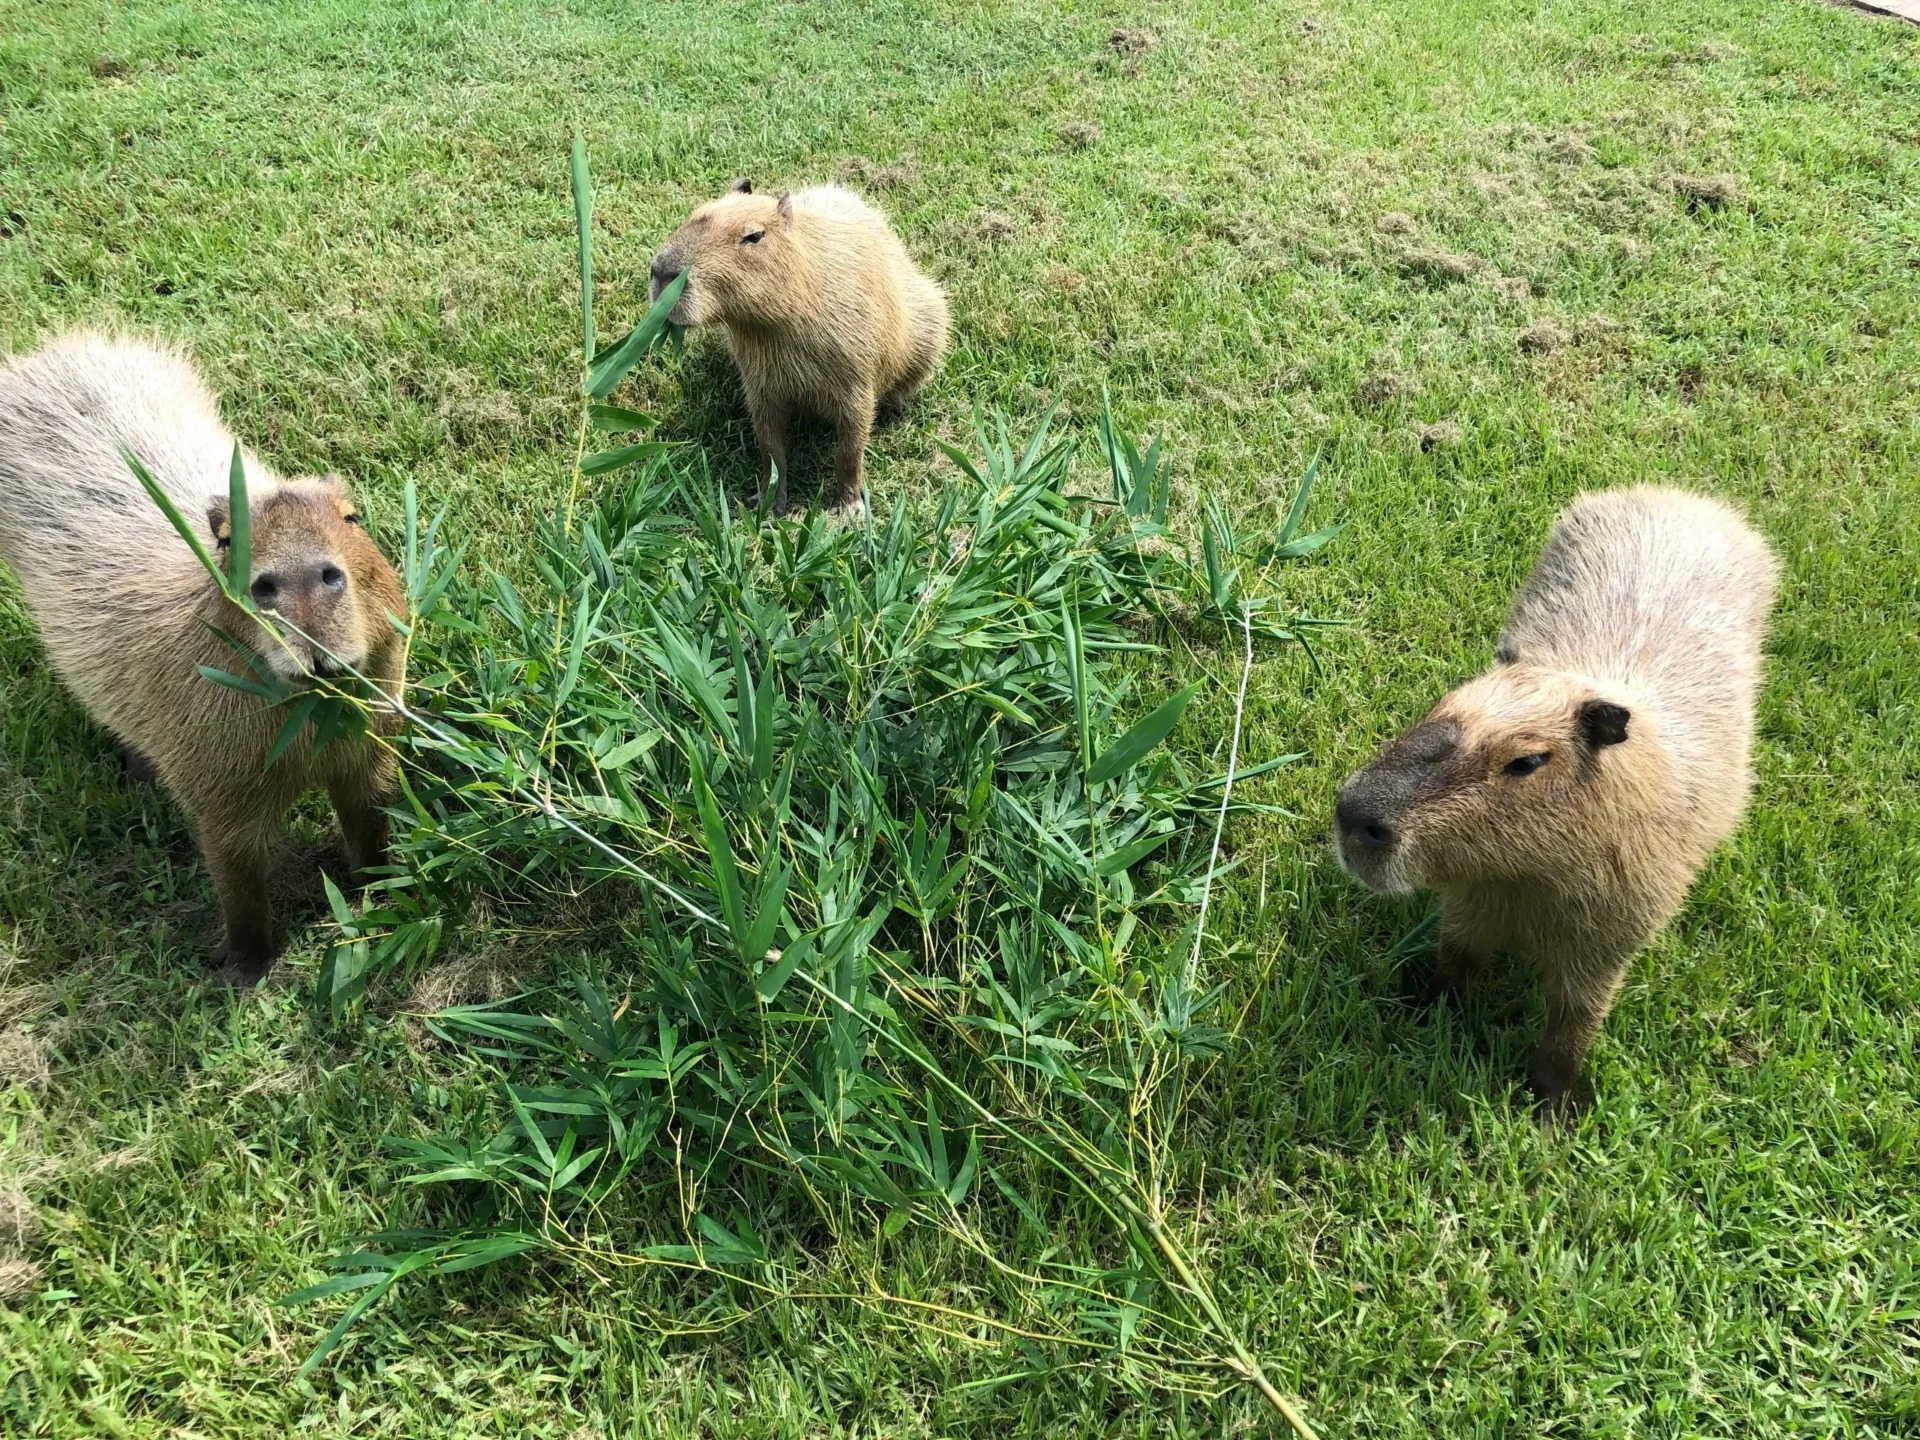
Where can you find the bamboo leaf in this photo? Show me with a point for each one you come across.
(1077, 679)
(335, 1285)
(239, 527)
(618, 418)
(583, 232)
(530, 1128)
(174, 518)
(472, 1254)
(770, 911)
(337, 903)
(963, 1181)
(298, 713)
(238, 682)
(631, 750)
(726, 876)
(1307, 544)
(1130, 855)
(771, 981)
(577, 648)
(1299, 506)
(610, 368)
(622, 456)
(331, 1340)
(1134, 746)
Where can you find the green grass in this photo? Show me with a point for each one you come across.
(356, 217)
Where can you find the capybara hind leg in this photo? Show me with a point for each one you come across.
(894, 403)
(853, 425)
(770, 430)
(140, 770)
(239, 871)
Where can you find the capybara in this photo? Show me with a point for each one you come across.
(825, 315)
(128, 614)
(1562, 803)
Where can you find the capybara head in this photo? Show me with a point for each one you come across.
(314, 570)
(737, 255)
(1498, 781)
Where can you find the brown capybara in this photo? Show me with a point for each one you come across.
(1562, 803)
(825, 315)
(128, 614)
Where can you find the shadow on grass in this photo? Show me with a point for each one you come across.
(712, 416)
(1337, 1045)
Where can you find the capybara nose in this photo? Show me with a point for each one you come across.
(332, 578)
(1359, 826)
(666, 270)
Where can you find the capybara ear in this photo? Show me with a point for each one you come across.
(342, 498)
(742, 186)
(218, 520)
(786, 210)
(1604, 723)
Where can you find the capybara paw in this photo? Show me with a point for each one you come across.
(1439, 986)
(848, 514)
(1559, 1098)
(240, 970)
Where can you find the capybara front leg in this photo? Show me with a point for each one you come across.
(770, 430)
(1461, 958)
(239, 871)
(1577, 1005)
(363, 825)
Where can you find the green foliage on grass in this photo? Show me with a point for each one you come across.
(357, 219)
(878, 851)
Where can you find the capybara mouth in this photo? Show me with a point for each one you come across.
(336, 665)
(1380, 870)
(682, 312)
(293, 664)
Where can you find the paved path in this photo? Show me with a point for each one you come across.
(1908, 10)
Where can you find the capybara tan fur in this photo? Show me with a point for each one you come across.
(825, 315)
(1562, 803)
(128, 614)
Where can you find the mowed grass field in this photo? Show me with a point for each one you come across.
(1481, 256)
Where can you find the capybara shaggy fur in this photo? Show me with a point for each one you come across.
(824, 310)
(128, 614)
(1562, 803)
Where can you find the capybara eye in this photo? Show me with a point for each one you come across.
(752, 237)
(1527, 764)
(352, 517)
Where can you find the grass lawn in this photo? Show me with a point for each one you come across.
(1484, 255)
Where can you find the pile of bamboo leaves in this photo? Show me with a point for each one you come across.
(899, 872)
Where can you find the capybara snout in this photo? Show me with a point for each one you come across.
(1374, 802)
